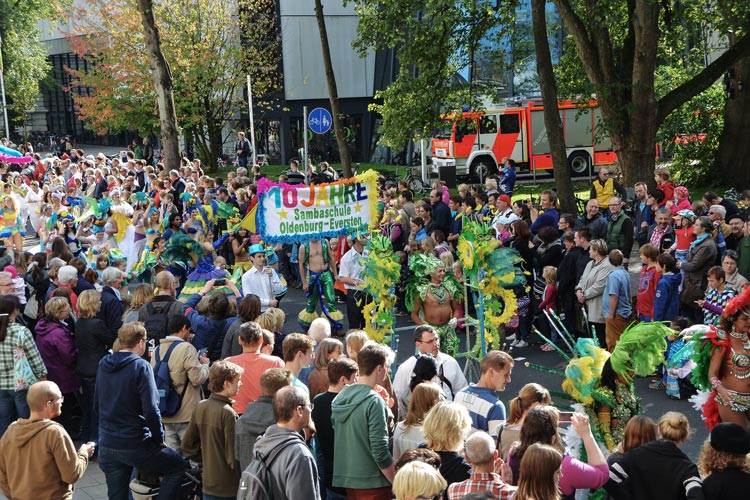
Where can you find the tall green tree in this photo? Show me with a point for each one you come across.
(201, 43)
(434, 40)
(24, 57)
(620, 45)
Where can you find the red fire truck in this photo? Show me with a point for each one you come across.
(476, 142)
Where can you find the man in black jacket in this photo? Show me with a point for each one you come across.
(569, 273)
(665, 236)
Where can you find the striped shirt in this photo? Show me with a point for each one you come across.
(486, 411)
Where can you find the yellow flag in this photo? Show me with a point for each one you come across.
(249, 221)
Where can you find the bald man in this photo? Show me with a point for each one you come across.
(37, 457)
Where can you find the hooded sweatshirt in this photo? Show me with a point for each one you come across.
(293, 472)
(667, 298)
(127, 402)
(56, 345)
(38, 460)
(360, 420)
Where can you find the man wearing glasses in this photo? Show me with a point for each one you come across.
(112, 307)
(605, 187)
(451, 378)
(37, 457)
(620, 232)
(131, 434)
(293, 471)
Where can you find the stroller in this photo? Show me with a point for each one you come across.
(145, 486)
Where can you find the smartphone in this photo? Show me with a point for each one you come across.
(565, 416)
(203, 351)
(220, 282)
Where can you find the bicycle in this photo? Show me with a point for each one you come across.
(415, 184)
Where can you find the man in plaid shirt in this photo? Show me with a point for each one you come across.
(482, 455)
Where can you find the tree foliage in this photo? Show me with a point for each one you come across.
(620, 45)
(433, 41)
(24, 57)
(201, 42)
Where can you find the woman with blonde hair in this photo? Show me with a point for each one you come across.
(633, 474)
(143, 294)
(725, 463)
(446, 426)
(530, 396)
(417, 480)
(540, 473)
(327, 350)
(409, 433)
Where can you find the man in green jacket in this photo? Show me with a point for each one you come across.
(362, 460)
(210, 433)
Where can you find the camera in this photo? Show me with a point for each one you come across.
(220, 282)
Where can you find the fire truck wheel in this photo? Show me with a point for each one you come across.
(482, 167)
(579, 163)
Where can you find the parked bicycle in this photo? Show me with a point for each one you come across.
(415, 183)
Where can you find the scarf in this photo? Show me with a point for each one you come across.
(698, 240)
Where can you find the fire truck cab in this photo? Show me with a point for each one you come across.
(477, 142)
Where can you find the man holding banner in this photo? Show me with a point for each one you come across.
(317, 267)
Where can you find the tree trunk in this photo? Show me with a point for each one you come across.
(346, 159)
(734, 148)
(162, 76)
(552, 120)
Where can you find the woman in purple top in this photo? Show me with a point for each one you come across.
(540, 426)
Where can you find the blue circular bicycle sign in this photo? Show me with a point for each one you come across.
(319, 120)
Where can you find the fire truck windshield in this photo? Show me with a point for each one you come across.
(444, 132)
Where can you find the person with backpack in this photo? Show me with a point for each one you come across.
(210, 433)
(210, 329)
(284, 467)
(156, 313)
(180, 372)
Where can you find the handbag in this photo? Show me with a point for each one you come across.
(690, 293)
(22, 370)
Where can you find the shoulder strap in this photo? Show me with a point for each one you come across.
(169, 351)
(444, 379)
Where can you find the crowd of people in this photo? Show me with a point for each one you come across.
(148, 325)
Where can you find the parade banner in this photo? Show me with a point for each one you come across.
(288, 214)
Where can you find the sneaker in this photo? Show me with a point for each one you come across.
(514, 343)
(510, 338)
(547, 347)
(659, 386)
(522, 343)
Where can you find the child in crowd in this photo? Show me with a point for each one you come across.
(718, 294)
(647, 282)
(549, 300)
(679, 363)
(684, 236)
(663, 184)
(667, 296)
(681, 200)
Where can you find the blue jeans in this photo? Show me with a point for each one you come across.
(150, 458)
(12, 407)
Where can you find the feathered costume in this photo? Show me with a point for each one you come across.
(493, 270)
(706, 340)
(320, 289)
(418, 284)
(638, 352)
(182, 250)
(382, 272)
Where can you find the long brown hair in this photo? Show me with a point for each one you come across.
(527, 396)
(639, 430)
(424, 396)
(539, 426)
(539, 475)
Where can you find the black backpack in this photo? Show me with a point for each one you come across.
(156, 323)
(170, 400)
(255, 483)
